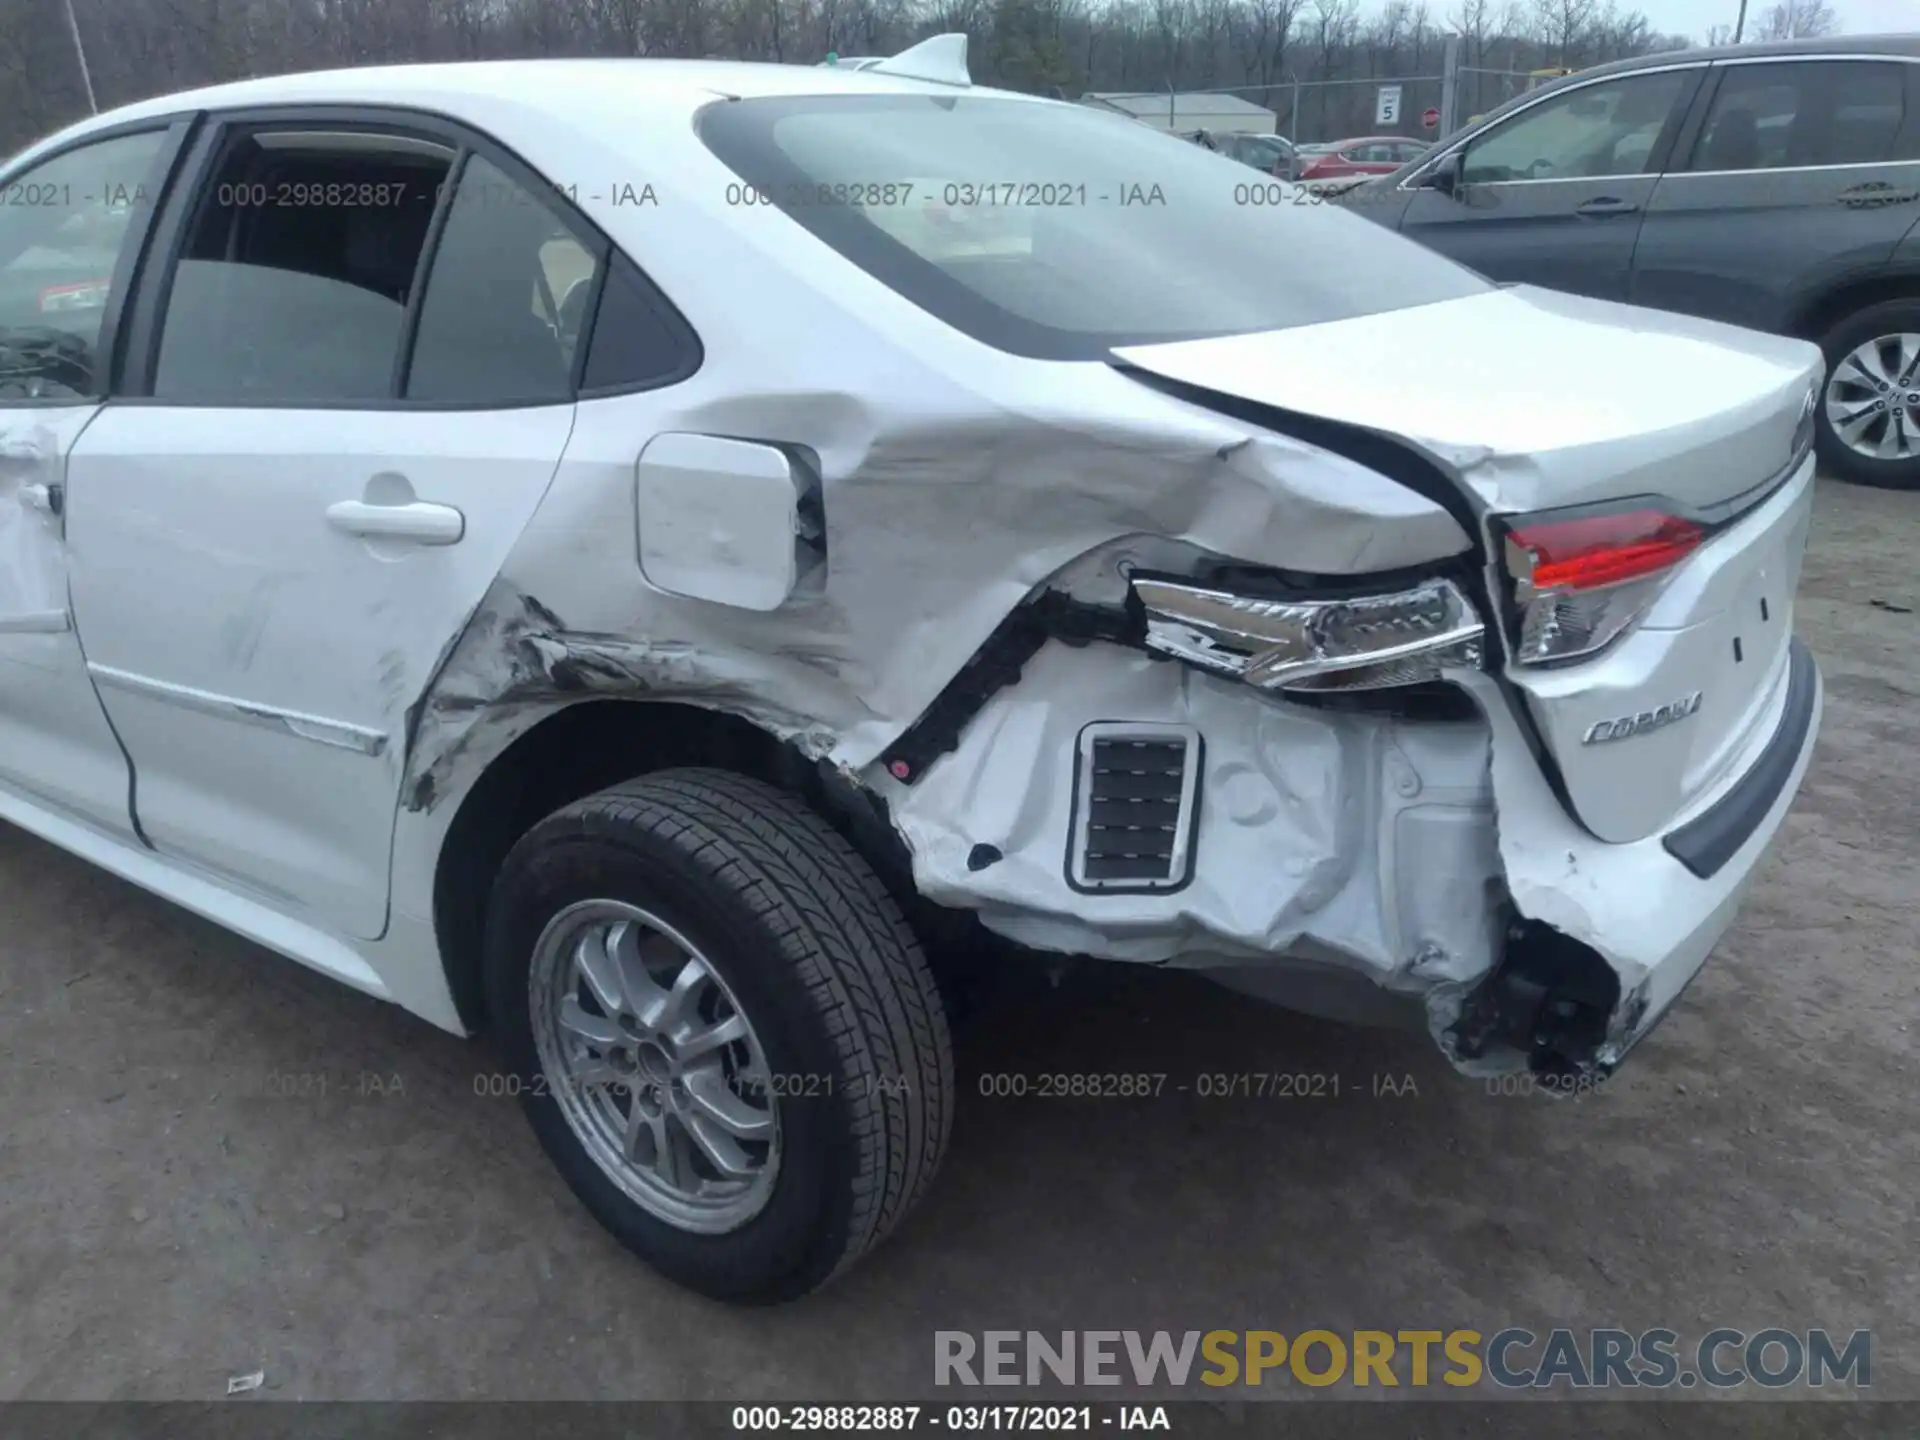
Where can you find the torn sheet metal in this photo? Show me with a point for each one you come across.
(33, 580)
(515, 653)
(1650, 920)
(940, 517)
(1368, 840)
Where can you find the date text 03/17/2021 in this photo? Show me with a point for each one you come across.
(955, 1419)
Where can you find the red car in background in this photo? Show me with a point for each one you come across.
(1363, 155)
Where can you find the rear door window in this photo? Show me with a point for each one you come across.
(492, 329)
(293, 284)
(1805, 113)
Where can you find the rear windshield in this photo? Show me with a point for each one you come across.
(1059, 232)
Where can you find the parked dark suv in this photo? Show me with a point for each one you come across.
(1773, 186)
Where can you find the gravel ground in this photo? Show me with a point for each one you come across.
(214, 1162)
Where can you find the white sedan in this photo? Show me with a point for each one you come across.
(625, 554)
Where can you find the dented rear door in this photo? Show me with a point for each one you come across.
(273, 552)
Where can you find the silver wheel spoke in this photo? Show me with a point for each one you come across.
(601, 969)
(1867, 361)
(596, 1074)
(649, 999)
(596, 1028)
(679, 1007)
(669, 1155)
(1908, 347)
(1855, 426)
(713, 1099)
(692, 1044)
(1893, 440)
(719, 1147)
(637, 1127)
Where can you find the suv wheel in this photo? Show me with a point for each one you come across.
(1869, 414)
(721, 1029)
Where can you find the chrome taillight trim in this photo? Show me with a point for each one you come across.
(1309, 644)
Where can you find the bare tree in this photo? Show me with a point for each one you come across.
(1796, 20)
(1564, 26)
(137, 48)
(1470, 19)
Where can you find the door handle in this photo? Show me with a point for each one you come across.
(1874, 194)
(1604, 205)
(45, 498)
(419, 521)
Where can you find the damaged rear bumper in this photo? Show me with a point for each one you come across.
(1426, 859)
(1650, 912)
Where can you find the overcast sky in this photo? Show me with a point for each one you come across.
(1857, 17)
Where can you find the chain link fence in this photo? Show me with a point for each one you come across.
(1310, 111)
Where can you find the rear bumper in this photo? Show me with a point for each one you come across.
(1431, 859)
(1706, 843)
(1651, 911)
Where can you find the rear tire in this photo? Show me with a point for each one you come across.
(1863, 353)
(837, 1030)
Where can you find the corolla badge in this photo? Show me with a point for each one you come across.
(1627, 726)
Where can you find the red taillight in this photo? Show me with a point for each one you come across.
(1600, 550)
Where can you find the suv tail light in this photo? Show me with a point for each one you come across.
(1579, 582)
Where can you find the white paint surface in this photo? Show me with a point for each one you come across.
(718, 520)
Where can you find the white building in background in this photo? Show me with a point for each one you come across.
(1195, 110)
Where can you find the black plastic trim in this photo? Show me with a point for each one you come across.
(1706, 843)
(1173, 885)
(995, 666)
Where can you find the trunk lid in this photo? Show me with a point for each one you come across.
(1542, 401)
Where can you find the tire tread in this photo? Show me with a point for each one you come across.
(852, 950)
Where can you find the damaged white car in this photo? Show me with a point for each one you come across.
(606, 552)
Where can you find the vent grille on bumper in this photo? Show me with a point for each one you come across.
(1136, 791)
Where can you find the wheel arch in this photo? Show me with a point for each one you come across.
(592, 744)
(1820, 312)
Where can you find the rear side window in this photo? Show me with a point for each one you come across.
(491, 322)
(1810, 112)
(639, 341)
(298, 265)
(1058, 232)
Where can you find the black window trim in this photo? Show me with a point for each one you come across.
(168, 237)
(161, 173)
(1908, 135)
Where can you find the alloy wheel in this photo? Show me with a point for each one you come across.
(655, 1066)
(1873, 398)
